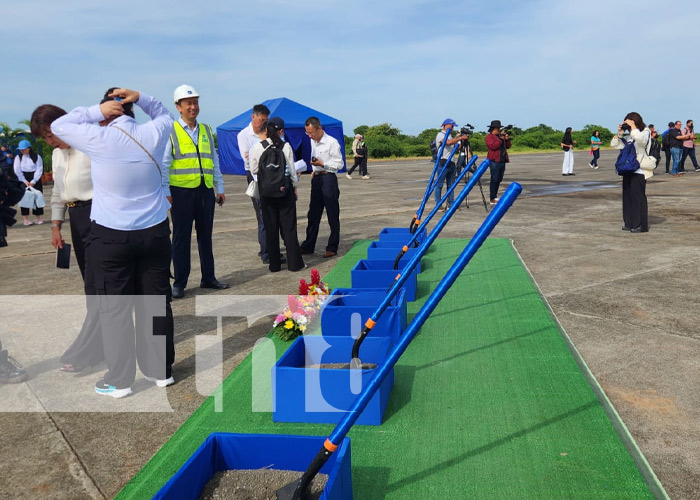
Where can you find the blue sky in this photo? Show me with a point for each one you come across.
(410, 63)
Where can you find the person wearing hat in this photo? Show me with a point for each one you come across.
(195, 186)
(447, 172)
(279, 212)
(29, 168)
(359, 150)
(497, 145)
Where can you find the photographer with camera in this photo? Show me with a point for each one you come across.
(465, 148)
(634, 198)
(449, 171)
(498, 143)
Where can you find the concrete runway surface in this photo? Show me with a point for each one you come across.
(626, 300)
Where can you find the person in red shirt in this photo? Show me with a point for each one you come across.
(498, 144)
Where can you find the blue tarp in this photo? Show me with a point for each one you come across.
(294, 116)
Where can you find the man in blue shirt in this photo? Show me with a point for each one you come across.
(129, 247)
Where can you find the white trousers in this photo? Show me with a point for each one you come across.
(568, 165)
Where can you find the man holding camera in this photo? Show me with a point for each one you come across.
(497, 142)
(448, 172)
(676, 145)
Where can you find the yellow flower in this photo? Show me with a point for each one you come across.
(289, 324)
(302, 328)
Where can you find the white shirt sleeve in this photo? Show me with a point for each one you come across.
(335, 162)
(289, 156)
(167, 163)
(255, 154)
(39, 169)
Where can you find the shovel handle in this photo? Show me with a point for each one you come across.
(398, 257)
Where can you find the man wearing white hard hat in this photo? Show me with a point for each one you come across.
(193, 168)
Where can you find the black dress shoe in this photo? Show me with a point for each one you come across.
(638, 230)
(283, 260)
(306, 252)
(178, 292)
(626, 228)
(218, 285)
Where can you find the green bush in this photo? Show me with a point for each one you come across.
(385, 140)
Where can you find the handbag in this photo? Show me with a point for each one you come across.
(252, 190)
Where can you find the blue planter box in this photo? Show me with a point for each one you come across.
(222, 451)
(381, 274)
(323, 395)
(402, 234)
(378, 250)
(343, 303)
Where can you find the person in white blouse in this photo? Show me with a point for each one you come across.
(29, 167)
(72, 192)
(634, 199)
(279, 212)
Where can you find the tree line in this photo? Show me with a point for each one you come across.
(387, 141)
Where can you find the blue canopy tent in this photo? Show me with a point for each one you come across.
(294, 116)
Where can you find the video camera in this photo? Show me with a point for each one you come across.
(467, 130)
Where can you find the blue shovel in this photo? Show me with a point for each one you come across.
(401, 278)
(298, 490)
(431, 185)
(414, 240)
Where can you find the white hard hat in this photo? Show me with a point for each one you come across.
(183, 92)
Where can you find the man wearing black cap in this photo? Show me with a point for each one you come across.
(449, 171)
(498, 145)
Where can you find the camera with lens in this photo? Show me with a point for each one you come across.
(625, 128)
(467, 130)
(506, 130)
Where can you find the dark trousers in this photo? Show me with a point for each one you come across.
(192, 205)
(445, 173)
(280, 216)
(596, 155)
(688, 152)
(128, 264)
(634, 201)
(498, 168)
(667, 152)
(360, 161)
(87, 348)
(324, 194)
(28, 177)
(262, 241)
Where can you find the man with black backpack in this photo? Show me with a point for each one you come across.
(666, 146)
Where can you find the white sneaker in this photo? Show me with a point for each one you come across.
(591, 165)
(161, 383)
(109, 390)
(365, 176)
(348, 176)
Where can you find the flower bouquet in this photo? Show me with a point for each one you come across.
(302, 309)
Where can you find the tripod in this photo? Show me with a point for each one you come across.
(465, 150)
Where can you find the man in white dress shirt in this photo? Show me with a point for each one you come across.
(255, 132)
(326, 160)
(129, 247)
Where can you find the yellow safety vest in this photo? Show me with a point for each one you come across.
(192, 162)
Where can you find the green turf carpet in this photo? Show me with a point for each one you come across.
(488, 401)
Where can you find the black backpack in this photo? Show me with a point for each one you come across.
(666, 141)
(433, 149)
(271, 172)
(655, 148)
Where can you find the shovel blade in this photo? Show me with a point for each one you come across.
(289, 492)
